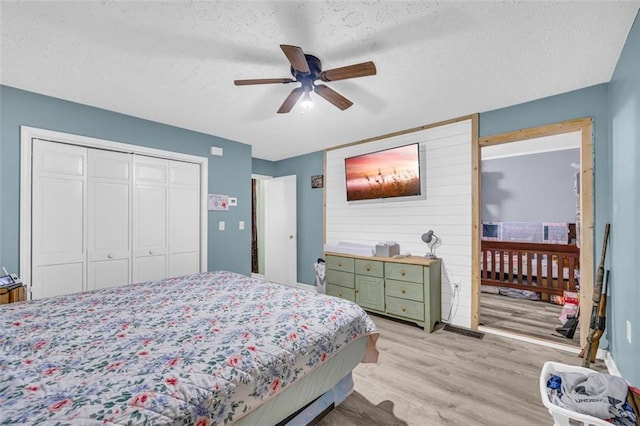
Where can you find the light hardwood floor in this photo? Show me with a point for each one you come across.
(532, 318)
(447, 378)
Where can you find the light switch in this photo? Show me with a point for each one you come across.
(221, 225)
(241, 224)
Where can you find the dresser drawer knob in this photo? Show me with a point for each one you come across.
(340, 264)
(110, 256)
(357, 291)
(403, 309)
(150, 252)
(339, 294)
(368, 268)
(403, 290)
(402, 273)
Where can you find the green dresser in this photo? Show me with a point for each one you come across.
(406, 288)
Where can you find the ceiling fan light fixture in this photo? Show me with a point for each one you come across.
(307, 102)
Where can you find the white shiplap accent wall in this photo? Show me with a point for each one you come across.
(446, 209)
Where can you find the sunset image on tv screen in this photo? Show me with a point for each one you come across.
(384, 174)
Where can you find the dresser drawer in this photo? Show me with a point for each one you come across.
(344, 279)
(403, 272)
(372, 268)
(404, 290)
(339, 263)
(345, 293)
(405, 308)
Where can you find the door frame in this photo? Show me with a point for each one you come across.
(294, 265)
(28, 133)
(583, 125)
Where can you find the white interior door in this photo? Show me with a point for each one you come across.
(109, 250)
(281, 230)
(59, 179)
(150, 196)
(184, 218)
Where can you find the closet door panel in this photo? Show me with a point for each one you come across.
(54, 280)
(184, 264)
(151, 218)
(58, 227)
(184, 218)
(109, 273)
(58, 219)
(184, 211)
(109, 219)
(150, 222)
(149, 268)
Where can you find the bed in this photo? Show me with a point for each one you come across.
(205, 349)
(545, 270)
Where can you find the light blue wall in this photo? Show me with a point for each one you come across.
(587, 102)
(230, 174)
(263, 167)
(310, 210)
(624, 109)
(508, 196)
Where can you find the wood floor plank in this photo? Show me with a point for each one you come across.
(529, 317)
(446, 378)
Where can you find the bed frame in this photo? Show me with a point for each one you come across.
(506, 264)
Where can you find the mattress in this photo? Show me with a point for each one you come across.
(202, 349)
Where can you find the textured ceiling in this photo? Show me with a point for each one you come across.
(174, 62)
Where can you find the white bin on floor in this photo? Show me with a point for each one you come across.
(561, 416)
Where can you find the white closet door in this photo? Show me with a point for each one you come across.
(59, 179)
(109, 250)
(184, 218)
(150, 218)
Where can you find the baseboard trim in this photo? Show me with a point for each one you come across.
(541, 342)
(612, 368)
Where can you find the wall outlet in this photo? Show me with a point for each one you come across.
(221, 225)
(241, 224)
(628, 331)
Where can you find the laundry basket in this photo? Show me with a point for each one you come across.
(561, 416)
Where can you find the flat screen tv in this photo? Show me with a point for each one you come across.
(393, 172)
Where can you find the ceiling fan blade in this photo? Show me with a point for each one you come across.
(263, 81)
(296, 57)
(352, 71)
(291, 100)
(332, 96)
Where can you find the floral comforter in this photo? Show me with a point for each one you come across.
(201, 349)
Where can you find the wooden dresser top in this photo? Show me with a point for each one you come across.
(412, 260)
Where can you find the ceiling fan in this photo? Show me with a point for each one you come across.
(306, 70)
